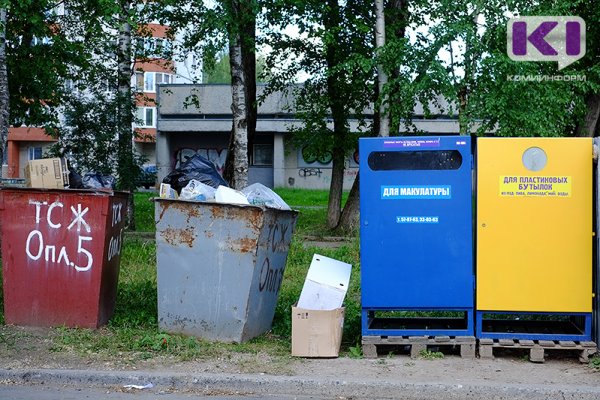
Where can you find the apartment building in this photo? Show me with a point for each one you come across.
(155, 66)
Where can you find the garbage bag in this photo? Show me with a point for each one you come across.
(198, 168)
(230, 196)
(75, 180)
(259, 194)
(93, 180)
(196, 190)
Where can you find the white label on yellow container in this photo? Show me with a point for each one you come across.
(535, 186)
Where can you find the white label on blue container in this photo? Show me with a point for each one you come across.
(417, 219)
(416, 192)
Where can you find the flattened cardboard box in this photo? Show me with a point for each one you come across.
(48, 173)
(317, 333)
(325, 285)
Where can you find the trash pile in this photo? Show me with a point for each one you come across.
(198, 180)
(56, 173)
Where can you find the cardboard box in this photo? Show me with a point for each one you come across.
(318, 318)
(48, 173)
(317, 333)
(166, 192)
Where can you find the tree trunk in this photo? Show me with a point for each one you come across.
(349, 220)
(237, 156)
(236, 165)
(382, 79)
(125, 121)
(248, 30)
(466, 87)
(336, 187)
(4, 95)
(462, 108)
(336, 104)
(396, 21)
(590, 123)
(393, 20)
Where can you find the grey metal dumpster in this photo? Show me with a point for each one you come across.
(219, 267)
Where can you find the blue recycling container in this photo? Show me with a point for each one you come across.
(416, 237)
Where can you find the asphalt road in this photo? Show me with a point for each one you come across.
(50, 392)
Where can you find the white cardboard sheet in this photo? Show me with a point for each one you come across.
(326, 284)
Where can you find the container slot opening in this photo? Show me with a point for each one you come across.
(415, 160)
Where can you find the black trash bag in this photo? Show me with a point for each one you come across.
(198, 168)
(75, 180)
(93, 180)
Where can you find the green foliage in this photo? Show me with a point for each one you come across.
(87, 136)
(136, 296)
(220, 72)
(355, 352)
(208, 36)
(462, 58)
(430, 355)
(303, 197)
(335, 54)
(595, 362)
(39, 58)
(144, 211)
(312, 206)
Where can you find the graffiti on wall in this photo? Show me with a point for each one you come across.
(310, 163)
(215, 155)
(306, 172)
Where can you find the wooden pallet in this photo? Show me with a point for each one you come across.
(419, 343)
(536, 347)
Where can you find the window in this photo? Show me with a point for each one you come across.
(139, 81)
(149, 85)
(152, 47)
(35, 153)
(151, 80)
(145, 117)
(162, 78)
(69, 85)
(262, 155)
(43, 41)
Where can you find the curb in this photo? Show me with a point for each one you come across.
(297, 385)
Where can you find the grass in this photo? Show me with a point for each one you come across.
(311, 204)
(430, 355)
(595, 362)
(132, 334)
(144, 211)
(307, 198)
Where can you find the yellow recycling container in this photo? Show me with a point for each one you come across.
(534, 227)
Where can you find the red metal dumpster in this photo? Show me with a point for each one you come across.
(60, 255)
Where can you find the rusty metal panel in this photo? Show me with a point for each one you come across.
(219, 267)
(61, 255)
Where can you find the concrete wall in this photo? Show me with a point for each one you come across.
(299, 174)
(199, 117)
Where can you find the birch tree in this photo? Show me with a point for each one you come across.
(243, 90)
(225, 24)
(126, 164)
(384, 120)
